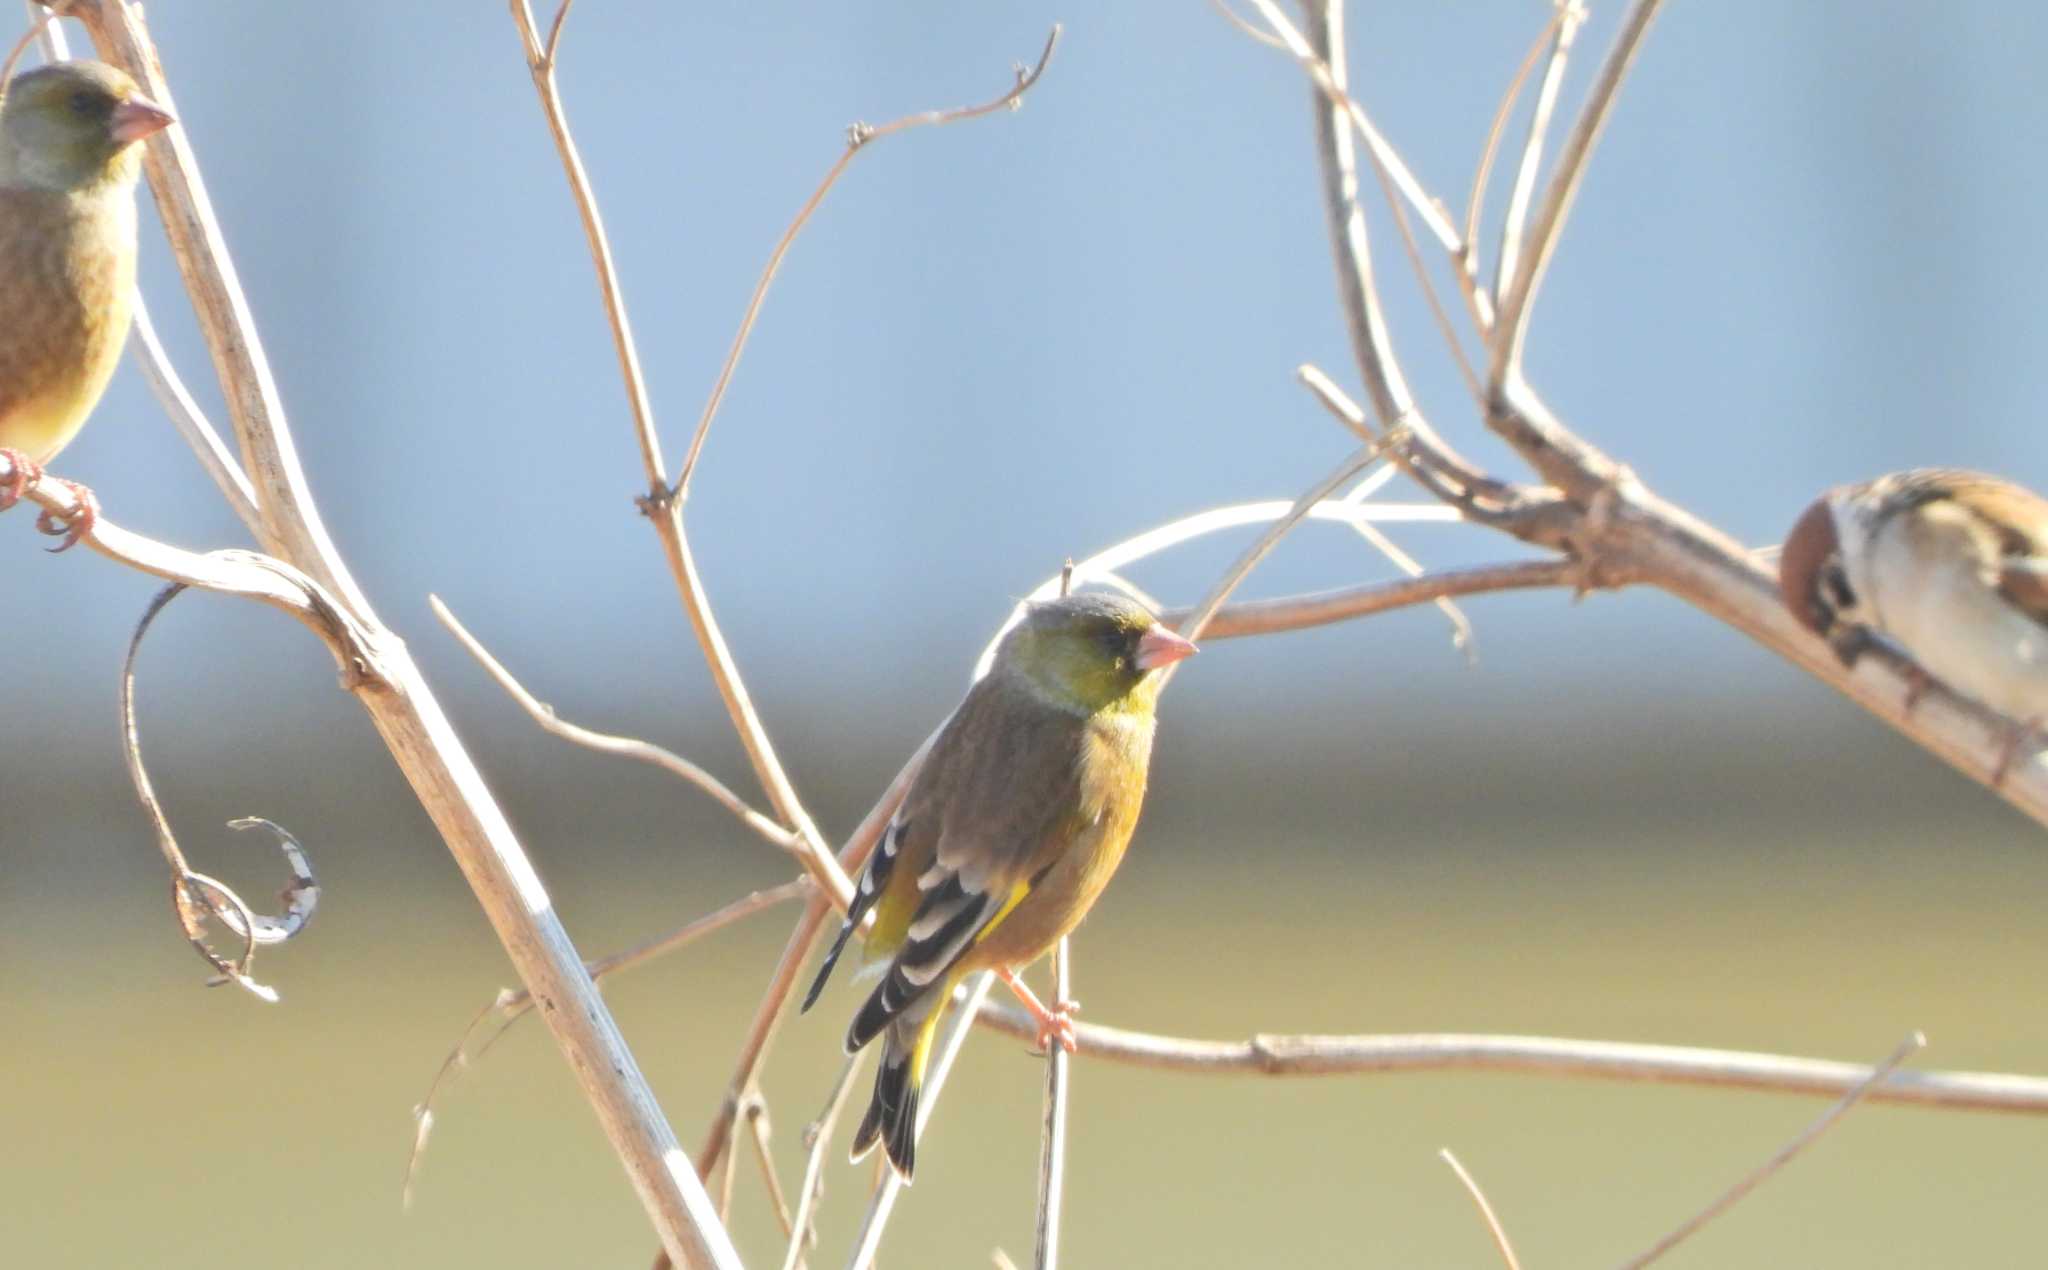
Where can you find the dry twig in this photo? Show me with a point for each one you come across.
(1493, 1226)
(1806, 1138)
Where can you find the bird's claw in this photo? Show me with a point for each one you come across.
(1057, 1024)
(74, 526)
(22, 473)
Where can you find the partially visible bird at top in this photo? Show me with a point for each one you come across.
(68, 167)
(1007, 836)
(1949, 564)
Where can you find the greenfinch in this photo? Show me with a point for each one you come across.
(1009, 833)
(68, 167)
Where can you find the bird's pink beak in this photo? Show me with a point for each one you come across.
(136, 118)
(1161, 647)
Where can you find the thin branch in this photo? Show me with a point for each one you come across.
(1478, 297)
(1493, 1226)
(817, 1144)
(662, 509)
(1241, 568)
(891, 1185)
(540, 63)
(1052, 1159)
(1519, 298)
(1507, 266)
(511, 1005)
(1326, 77)
(761, 1130)
(858, 138)
(1101, 566)
(795, 953)
(1304, 1055)
(1734, 1194)
(1323, 608)
(605, 743)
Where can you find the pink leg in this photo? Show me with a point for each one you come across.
(1056, 1024)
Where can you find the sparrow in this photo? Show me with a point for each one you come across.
(1007, 836)
(1950, 565)
(68, 167)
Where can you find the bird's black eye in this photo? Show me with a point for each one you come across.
(84, 104)
(1834, 584)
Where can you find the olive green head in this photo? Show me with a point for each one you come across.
(73, 126)
(1090, 653)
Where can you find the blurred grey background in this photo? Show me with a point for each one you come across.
(1805, 254)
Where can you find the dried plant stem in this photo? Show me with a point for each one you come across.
(1493, 1226)
(396, 695)
(1052, 1161)
(604, 743)
(795, 953)
(1619, 531)
(1308, 1055)
(1806, 1138)
(818, 1144)
(540, 63)
(859, 137)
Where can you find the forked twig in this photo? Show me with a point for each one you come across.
(858, 138)
(1729, 1198)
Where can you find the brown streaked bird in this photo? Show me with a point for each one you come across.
(1009, 833)
(68, 167)
(1950, 565)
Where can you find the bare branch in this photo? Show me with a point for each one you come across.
(1303, 1055)
(795, 953)
(1300, 612)
(195, 896)
(1052, 1160)
(511, 1005)
(1734, 1194)
(1519, 297)
(817, 1144)
(1493, 1226)
(1321, 70)
(605, 743)
(1506, 276)
(1475, 205)
(540, 63)
(858, 138)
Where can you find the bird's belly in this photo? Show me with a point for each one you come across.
(1057, 904)
(1965, 635)
(64, 312)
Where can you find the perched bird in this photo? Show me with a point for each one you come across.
(1010, 831)
(68, 166)
(1950, 565)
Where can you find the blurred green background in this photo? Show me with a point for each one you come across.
(1804, 255)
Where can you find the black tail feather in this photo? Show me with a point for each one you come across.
(825, 971)
(891, 1117)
